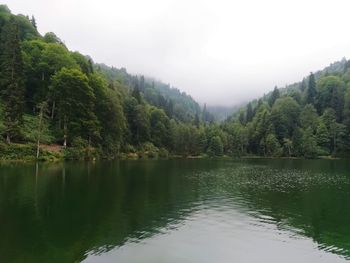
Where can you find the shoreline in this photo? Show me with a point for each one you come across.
(50, 157)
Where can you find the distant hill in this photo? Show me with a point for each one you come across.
(176, 103)
(221, 113)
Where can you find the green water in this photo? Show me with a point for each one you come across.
(182, 211)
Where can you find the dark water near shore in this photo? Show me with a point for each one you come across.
(176, 211)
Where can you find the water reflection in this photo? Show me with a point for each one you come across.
(110, 210)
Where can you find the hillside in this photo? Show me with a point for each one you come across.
(175, 103)
(308, 118)
(56, 103)
(51, 95)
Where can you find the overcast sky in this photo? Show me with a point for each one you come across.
(220, 52)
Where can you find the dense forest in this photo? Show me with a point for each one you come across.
(310, 118)
(56, 103)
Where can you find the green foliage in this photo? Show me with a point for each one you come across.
(98, 111)
(80, 150)
(293, 126)
(215, 147)
(237, 138)
(287, 146)
(75, 100)
(109, 112)
(17, 152)
(51, 37)
(32, 132)
(273, 148)
(309, 117)
(311, 90)
(11, 79)
(274, 96)
(323, 138)
(160, 127)
(331, 95)
(308, 144)
(148, 150)
(284, 117)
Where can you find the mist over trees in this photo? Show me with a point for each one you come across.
(306, 119)
(53, 96)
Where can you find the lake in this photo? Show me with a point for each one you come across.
(176, 211)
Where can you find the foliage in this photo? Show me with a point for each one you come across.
(215, 147)
(52, 95)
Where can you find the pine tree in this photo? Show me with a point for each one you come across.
(274, 96)
(311, 90)
(303, 85)
(142, 83)
(136, 93)
(33, 22)
(250, 113)
(196, 120)
(12, 79)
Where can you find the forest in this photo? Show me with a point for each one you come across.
(56, 103)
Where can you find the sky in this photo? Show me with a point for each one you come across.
(221, 52)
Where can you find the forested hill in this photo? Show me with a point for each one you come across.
(308, 118)
(55, 103)
(55, 100)
(179, 104)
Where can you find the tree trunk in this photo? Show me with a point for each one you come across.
(53, 109)
(8, 138)
(65, 133)
(39, 134)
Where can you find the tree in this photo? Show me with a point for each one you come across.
(250, 113)
(142, 83)
(196, 121)
(160, 126)
(51, 37)
(241, 118)
(136, 93)
(331, 95)
(83, 62)
(308, 117)
(274, 96)
(303, 85)
(336, 130)
(288, 145)
(36, 84)
(237, 138)
(308, 143)
(109, 111)
(272, 146)
(12, 80)
(284, 117)
(346, 117)
(42, 125)
(215, 146)
(259, 128)
(323, 138)
(141, 124)
(32, 20)
(75, 105)
(311, 90)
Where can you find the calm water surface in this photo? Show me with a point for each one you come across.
(185, 211)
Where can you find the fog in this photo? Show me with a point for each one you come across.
(220, 52)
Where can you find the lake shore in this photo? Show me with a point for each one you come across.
(17, 153)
